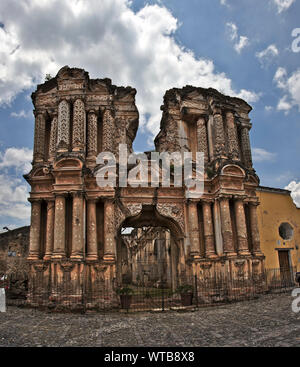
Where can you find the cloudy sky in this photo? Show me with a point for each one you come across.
(245, 48)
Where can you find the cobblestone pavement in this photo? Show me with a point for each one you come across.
(267, 321)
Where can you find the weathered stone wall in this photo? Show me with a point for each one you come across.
(14, 245)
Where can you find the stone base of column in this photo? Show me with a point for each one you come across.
(195, 255)
(230, 254)
(92, 257)
(47, 257)
(211, 255)
(109, 258)
(76, 257)
(32, 257)
(57, 256)
(244, 252)
(258, 254)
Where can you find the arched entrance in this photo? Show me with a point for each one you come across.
(149, 250)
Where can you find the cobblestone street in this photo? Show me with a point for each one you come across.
(267, 321)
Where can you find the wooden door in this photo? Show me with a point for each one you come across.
(284, 263)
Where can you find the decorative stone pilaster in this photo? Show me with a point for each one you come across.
(226, 226)
(53, 138)
(39, 137)
(92, 136)
(219, 141)
(254, 228)
(202, 138)
(233, 145)
(209, 240)
(35, 230)
(194, 229)
(241, 227)
(79, 123)
(77, 226)
(49, 229)
(59, 250)
(63, 129)
(92, 251)
(245, 144)
(109, 230)
(108, 131)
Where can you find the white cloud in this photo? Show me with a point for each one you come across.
(268, 108)
(243, 42)
(137, 49)
(283, 5)
(291, 86)
(261, 155)
(294, 187)
(240, 41)
(265, 56)
(18, 158)
(22, 114)
(14, 191)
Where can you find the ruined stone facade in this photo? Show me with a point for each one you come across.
(75, 224)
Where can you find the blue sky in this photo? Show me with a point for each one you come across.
(240, 47)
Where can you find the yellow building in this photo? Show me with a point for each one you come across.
(279, 225)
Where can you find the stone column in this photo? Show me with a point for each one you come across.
(59, 250)
(92, 251)
(245, 145)
(39, 137)
(202, 138)
(78, 136)
(35, 230)
(194, 229)
(217, 227)
(63, 128)
(254, 228)
(233, 145)
(219, 141)
(92, 136)
(109, 231)
(53, 138)
(226, 229)
(49, 229)
(77, 226)
(209, 242)
(241, 227)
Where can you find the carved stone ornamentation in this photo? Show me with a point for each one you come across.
(53, 137)
(63, 129)
(233, 145)
(219, 136)
(78, 125)
(202, 138)
(173, 211)
(39, 137)
(246, 148)
(108, 131)
(92, 134)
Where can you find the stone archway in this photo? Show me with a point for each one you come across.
(154, 234)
